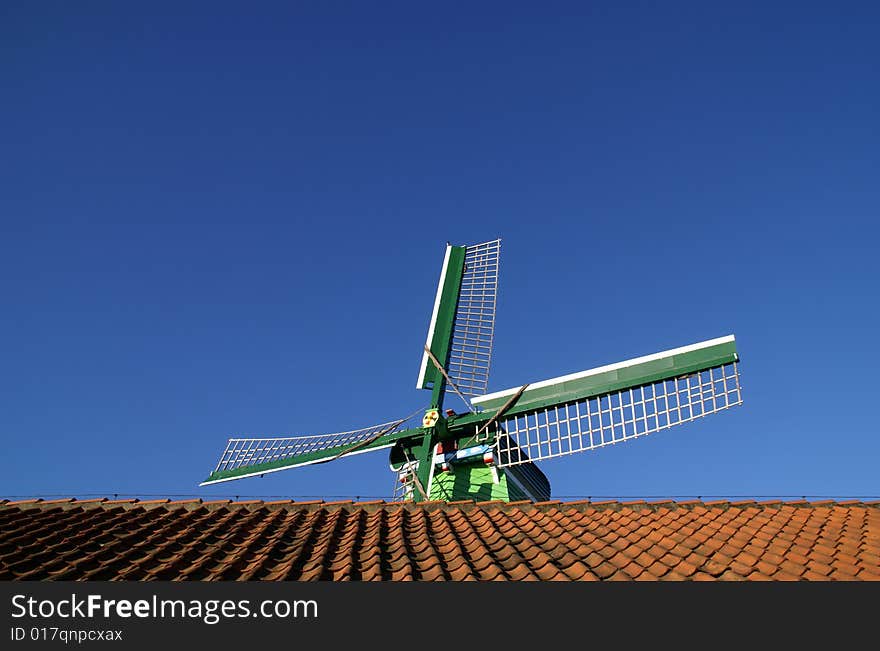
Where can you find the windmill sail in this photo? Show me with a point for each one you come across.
(616, 403)
(248, 457)
(474, 325)
(462, 324)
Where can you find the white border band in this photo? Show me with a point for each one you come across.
(424, 367)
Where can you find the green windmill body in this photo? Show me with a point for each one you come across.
(488, 450)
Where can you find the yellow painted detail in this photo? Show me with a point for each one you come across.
(430, 418)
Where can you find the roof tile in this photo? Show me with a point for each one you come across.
(160, 539)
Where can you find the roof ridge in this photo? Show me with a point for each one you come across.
(72, 502)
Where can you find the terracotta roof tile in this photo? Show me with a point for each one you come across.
(782, 575)
(848, 574)
(748, 558)
(792, 567)
(685, 568)
(819, 567)
(222, 540)
(656, 570)
(869, 558)
(740, 568)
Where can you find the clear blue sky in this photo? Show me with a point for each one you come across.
(227, 218)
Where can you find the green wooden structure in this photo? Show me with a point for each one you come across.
(489, 449)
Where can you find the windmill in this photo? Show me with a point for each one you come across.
(489, 450)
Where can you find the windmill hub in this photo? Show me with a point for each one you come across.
(489, 452)
(430, 418)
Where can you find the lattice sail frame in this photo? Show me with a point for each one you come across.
(242, 452)
(462, 325)
(474, 327)
(595, 422)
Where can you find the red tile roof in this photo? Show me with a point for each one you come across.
(222, 540)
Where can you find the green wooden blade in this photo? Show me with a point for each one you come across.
(614, 377)
(442, 320)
